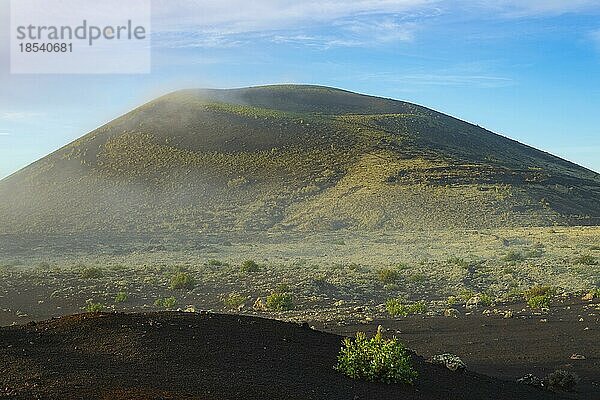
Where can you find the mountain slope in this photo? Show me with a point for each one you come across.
(292, 157)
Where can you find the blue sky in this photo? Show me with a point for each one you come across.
(526, 69)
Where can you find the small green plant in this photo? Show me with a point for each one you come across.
(90, 306)
(121, 297)
(586, 259)
(397, 307)
(388, 275)
(534, 253)
(538, 290)
(91, 273)
(417, 278)
(513, 257)
(182, 281)
(234, 300)
(538, 302)
(466, 294)
(249, 266)
(486, 299)
(461, 262)
(452, 300)
(376, 360)
(217, 263)
(277, 301)
(167, 302)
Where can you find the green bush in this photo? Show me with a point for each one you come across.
(121, 297)
(397, 307)
(90, 306)
(537, 291)
(538, 302)
(513, 257)
(91, 273)
(388, 275)
(461, 262)
(586, 259)
(375, 359)
(234, 300)
(249, 266)
(181, 281)
(280, 301)
(167, 302)
(486, 300)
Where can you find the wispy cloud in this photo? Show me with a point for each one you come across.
(19, 115)
(4, 133)
(532, 8)
(595, 37)
(231, 23)
(442, 78)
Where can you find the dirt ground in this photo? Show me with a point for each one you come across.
(529, 343)
(207, 356)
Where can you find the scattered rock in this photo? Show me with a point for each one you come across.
(339, 303)
(508, 314)
(450, 361)
(576, 356)
(473, 302)
(259, 305)
(588, 297)
(531, 380)
(451, 312)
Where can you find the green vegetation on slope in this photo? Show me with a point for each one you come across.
(293, 157)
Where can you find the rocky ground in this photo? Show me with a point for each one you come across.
(208, 356)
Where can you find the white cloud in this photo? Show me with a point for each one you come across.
(19, 115)
(4, 134)
(465, 78)
(595, 36)
(228, 23)
(532, 8)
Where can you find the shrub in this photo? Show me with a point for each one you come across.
(538, 290)
(167, 302)
(538, 302)
(375, 359)
(217, 263)
(90, 306)
(513, 257)
(461, 262)
(91, 273)
(234, 300)
(486, 300)
(562, 380)
(396, 307)
(452, 300)
(249, 266)
(121, 297)
(280, 301)
(182, 280)
(388, 275)
(586, 259)
(417, 278)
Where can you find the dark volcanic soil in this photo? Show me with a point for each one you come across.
(507, 348)
(205, 356)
